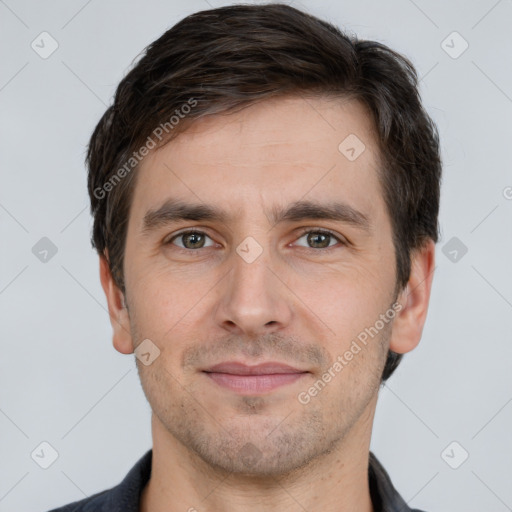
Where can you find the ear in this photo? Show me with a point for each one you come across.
(117, 310)
(408, 324)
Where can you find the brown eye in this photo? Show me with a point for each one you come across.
(190, 240)
(320, 239)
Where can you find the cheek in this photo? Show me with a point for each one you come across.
(346, 298)
(167, 307)
(157, 286)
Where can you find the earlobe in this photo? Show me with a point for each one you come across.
(117, 310)
(408, 324)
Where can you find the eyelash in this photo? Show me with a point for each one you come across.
(305, 231)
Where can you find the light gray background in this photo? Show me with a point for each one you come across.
(62, 382)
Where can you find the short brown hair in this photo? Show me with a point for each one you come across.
(232, 56)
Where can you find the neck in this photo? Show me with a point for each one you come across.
(336, 481)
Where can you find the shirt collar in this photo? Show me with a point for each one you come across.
(126, 496)
(385, 497)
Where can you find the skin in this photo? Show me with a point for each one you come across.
(297, 303)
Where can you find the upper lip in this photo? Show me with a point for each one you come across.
(236, 368)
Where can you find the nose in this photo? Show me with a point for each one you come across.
(253, 297)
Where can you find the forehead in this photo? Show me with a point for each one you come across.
(274, 152)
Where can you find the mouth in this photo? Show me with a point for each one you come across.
(257, 379)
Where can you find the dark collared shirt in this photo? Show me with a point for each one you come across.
(125, 497)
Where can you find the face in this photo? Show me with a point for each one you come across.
(271, 280)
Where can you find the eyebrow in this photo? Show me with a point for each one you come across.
(176, 210)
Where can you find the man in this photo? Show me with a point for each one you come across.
(265, 193)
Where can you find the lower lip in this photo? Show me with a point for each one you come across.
(250, 384)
